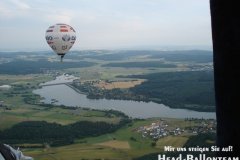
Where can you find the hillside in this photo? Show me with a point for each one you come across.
(191, 90)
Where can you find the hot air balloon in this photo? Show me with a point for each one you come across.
(60, 37)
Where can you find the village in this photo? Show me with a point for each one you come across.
(161, 128)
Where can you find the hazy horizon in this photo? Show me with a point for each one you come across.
(107, 24)
(159, 48)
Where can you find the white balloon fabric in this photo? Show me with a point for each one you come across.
(60, 37)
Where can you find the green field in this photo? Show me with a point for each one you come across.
(84, 148)
(20, 105)
(19, 111)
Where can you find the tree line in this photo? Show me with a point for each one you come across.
(56, 134)
(192, 90)
(33, 67)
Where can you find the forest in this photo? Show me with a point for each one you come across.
(33, 67)
(190, 89)
(197, 56)
(56, 134)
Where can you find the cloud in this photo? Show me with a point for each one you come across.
(59, 17)
(4, 10)
(20, 4)
(13, 8)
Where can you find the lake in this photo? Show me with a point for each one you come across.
(64, 95)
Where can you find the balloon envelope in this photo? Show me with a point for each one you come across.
(60, 37)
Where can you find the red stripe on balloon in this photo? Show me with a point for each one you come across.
(63, 30)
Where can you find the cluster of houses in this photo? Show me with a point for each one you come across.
(158, 130)
(201, 67)
(161, 128)
(203, 126)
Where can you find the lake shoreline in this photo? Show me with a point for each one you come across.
(68, 96)
(192, 108)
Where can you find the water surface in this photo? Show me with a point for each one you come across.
(68, 97)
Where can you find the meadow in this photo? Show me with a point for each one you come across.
(20, 104)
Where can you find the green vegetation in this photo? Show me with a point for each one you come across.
(201, 140)
(20, 104)
(147, 64)
(137, 145)
(197, 56)
(34, 67)
(89, 134)
(56, 134)
(192, 90)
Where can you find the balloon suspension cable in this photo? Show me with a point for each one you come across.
(62, 58)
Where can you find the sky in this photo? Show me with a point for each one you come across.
(107, 24)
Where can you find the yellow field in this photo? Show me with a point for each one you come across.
(115, 144)
(175, 141)
(119, 84)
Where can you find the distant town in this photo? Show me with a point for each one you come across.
(161, 128)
